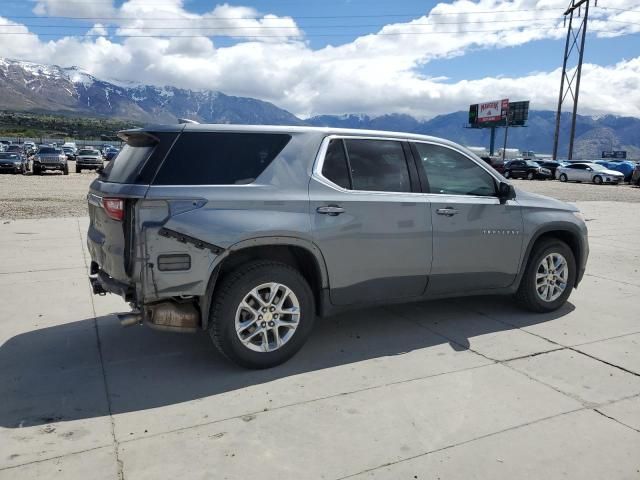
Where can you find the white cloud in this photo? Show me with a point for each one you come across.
(376, 73)
(98, 29)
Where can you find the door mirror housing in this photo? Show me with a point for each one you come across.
(506, 192)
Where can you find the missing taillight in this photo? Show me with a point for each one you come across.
(114, 208)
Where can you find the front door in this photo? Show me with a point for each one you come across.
(477, 240)
(368, 218)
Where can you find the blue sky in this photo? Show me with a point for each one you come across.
(359, 37)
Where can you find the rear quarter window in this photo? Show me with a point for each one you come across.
(219, 158)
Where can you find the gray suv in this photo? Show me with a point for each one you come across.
(251, 232)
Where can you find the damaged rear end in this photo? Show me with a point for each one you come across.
(134, 251)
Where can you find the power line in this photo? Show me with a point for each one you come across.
(280, 36)
(204, 27)
(287, 18)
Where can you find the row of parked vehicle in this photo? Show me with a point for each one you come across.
(597, 171)
(25, 157)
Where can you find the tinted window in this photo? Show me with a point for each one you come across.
(378, 165)
(216, 158)
(49, 150)
(335, 167)
(450, 172)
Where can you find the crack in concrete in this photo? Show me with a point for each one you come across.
(116, 444)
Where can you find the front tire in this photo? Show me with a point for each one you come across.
(261, 314)
(507, 174)
(597, 180)
(78, 169)
(563, 177)
(530, 176)
(549, 277)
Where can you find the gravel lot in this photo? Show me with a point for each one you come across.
(55, 195)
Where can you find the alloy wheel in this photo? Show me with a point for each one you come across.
(552, 276)
(267, 317)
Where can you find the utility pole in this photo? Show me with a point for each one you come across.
(576, 35)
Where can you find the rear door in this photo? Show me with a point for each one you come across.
(477, 240)
(370, 220)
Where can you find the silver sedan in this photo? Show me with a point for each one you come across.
(588, 172)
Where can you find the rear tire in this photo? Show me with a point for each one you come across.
(528, 294)
(530, 176)
(563, 177)
(37, 171)
(65, 170)
(597, 180)
(227, 310)
(507, 174)
(78, 169)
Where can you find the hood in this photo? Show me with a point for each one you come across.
(611, 172)
(528, 199)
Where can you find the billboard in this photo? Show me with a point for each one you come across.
(494, 114)
(492, 111)
(621, 154)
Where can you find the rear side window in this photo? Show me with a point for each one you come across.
(219, 158)
(335, 166)
(378, 165)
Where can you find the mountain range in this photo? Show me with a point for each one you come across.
(32, 87)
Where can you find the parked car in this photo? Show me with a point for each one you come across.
(69, 152)
(496, 164)
(4, 144)
(525, 169)
(624, 167)
(29, 148)
(13, 163)
(111, 153)
(250, 232)
(50, 158)
(105, 146)
(635, 176)
(88, 159)
(550, 165)
(588, 172)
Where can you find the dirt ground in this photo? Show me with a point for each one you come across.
(56, 195)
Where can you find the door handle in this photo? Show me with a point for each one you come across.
(332, 210)
(448, 212)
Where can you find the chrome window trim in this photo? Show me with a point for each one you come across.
(322, 151)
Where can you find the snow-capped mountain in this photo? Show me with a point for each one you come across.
(36, 87)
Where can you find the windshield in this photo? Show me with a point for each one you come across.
(531, 163)
(48, 150)
(126, 164)
(89, 152)
(597, 167)
(8, 156)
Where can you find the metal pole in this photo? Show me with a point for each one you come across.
(492, 141)
(575, 102)
(559, 110)
(506, 131)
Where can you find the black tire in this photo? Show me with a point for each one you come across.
(507, 174)
(78, 169)
(65, 170)
(597, 180)
(527, 295)
(229, 294)
(530, 176)
(36, 170)
(563, 177)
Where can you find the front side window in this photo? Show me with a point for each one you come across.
(451, 173)
(378, 165)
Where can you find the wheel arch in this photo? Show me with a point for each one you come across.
(568, 233)
(301, 254)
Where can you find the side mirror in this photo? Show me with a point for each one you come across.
(506, 192)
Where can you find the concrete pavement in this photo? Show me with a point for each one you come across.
(467, 388)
